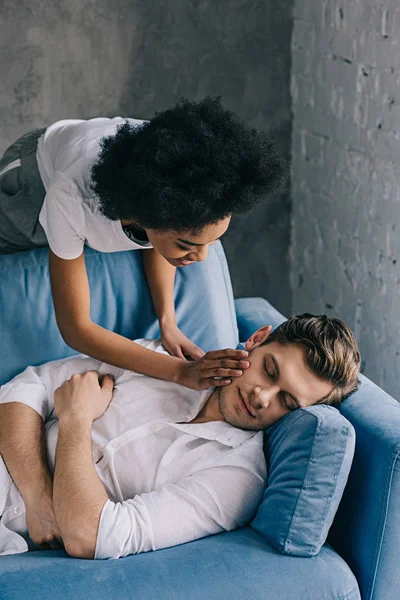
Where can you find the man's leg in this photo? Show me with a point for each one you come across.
(21, 196)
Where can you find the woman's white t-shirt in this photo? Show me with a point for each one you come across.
(70, 215)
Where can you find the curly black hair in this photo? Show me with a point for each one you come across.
(189, 166)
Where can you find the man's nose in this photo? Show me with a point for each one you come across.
(264, 395)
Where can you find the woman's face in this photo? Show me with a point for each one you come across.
(183, 248)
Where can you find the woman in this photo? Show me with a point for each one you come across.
(168, 186)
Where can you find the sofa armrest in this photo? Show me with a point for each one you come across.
(253, 313)
(366, 529)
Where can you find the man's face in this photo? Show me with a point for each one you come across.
(183, 248)
(277, 382)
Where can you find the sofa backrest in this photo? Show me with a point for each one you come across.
(120, 301)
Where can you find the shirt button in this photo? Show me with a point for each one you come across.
(16, 510)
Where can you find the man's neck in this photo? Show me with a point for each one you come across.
(210, 411)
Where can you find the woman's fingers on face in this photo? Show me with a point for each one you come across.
(234, 364)
(227, 353)
(226, 363)
(220, 372)
(219, 382)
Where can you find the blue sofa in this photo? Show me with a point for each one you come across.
(362, 556)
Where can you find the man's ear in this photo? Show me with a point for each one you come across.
(258, 337)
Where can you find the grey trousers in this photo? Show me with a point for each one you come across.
(21, 196)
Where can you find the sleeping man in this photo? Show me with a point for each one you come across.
(106, 462)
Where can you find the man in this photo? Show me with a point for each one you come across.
(141, 464)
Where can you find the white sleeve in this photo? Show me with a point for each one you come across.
(35, 386)
(27, 388)
(216, 499)
(62, 218)
(155, 345)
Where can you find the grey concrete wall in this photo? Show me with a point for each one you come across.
(80, 59)
(345, 253)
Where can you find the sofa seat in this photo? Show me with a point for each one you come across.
(237, 565)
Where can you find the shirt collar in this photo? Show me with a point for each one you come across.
(221, 431)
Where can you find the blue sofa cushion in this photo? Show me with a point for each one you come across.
(309, 454)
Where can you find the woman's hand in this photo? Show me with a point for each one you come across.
(225, 364)
(178, 344)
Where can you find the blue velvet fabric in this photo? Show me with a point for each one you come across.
(309, 458)
(120, 301)
(238, 565)
(366, 528)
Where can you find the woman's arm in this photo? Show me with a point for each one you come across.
(160, 278)
(71, 296)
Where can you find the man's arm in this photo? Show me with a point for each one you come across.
(23, 450)
(215, 499)
(78, 494)
(219, 498)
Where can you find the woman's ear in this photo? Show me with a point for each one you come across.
(258, 337)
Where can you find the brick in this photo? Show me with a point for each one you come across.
(305, 62)
(358, 15)
(343, 45)
(323, 42)
(338, 72)
(298, 148)
(388, 145)
(308, 11)
(303, 35)
(325, 95)
(385, 116)
(389, 83)
(304, 90)
(387, 52)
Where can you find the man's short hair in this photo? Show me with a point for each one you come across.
(330, 351)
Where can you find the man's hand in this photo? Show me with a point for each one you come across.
(199, 375)
(178, 344)
(84, 396)
(41, 521)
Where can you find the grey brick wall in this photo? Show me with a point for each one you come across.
(89, 58)
(345, 250)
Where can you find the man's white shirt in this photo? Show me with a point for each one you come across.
(168, 481)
